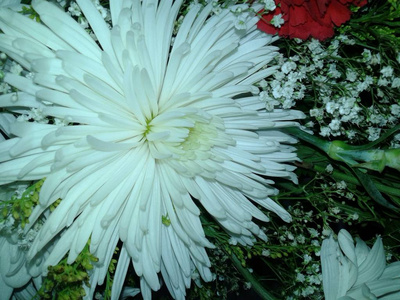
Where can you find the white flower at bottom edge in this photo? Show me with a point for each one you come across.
(159, 124)
(357, 272)
(18, 278)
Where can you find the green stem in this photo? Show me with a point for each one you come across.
(309, 138)
(324, 145)
(351, 179)
(372, 158)
(255, 284)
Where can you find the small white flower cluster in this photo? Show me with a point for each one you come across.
(35, 114)
(337, 195)
(277, 20)
(227, 280)
(302, 239)
(286, 86)
(242, 15)
(309, 279)
(269, 5)
(355, 97)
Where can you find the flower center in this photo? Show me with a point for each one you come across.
(148, 128)
(199, 141)
(183, 136)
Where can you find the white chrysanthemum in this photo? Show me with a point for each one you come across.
(159, 124)
(357, 272)
(15, 272)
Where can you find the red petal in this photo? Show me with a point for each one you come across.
(322, 6)
(268, 28)
(294, 2)
(297, 15)
(317, 8)
(338, 13)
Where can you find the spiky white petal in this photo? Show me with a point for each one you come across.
(159, 124)
(357, 272)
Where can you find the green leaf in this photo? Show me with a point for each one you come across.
(372, 190)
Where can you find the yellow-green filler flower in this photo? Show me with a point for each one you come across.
(158, 125)
(357, 272)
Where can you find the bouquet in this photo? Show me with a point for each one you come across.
(199, 149)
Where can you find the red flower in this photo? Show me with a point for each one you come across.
(305, 18)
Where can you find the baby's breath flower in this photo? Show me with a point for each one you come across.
(288, 67)
(373, 133)
(387, 71)
(325, 131)
(266, 253)
(395, 82)
(313, 232)
(74, 9)
(341, 185)
(277, 20)
(307, 258)
(333, 72)
(366, 54)
(395, 110)
(15, 68)
(351, 75)
(301, 239)
(269, 5)
(300, 277)
(240, 23)
(335, 210)
(326, 232)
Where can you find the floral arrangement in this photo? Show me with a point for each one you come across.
(200, 149)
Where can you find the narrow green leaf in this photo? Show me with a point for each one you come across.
(372, 190)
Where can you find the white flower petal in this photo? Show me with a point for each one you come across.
(330, 268)
(385, 288)
(6, 46)
(346, 244)
(155, 128)
(373, 265)
(361, 292)
(66, 28)
(15, 24)
(97, 24)
(391, 271)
